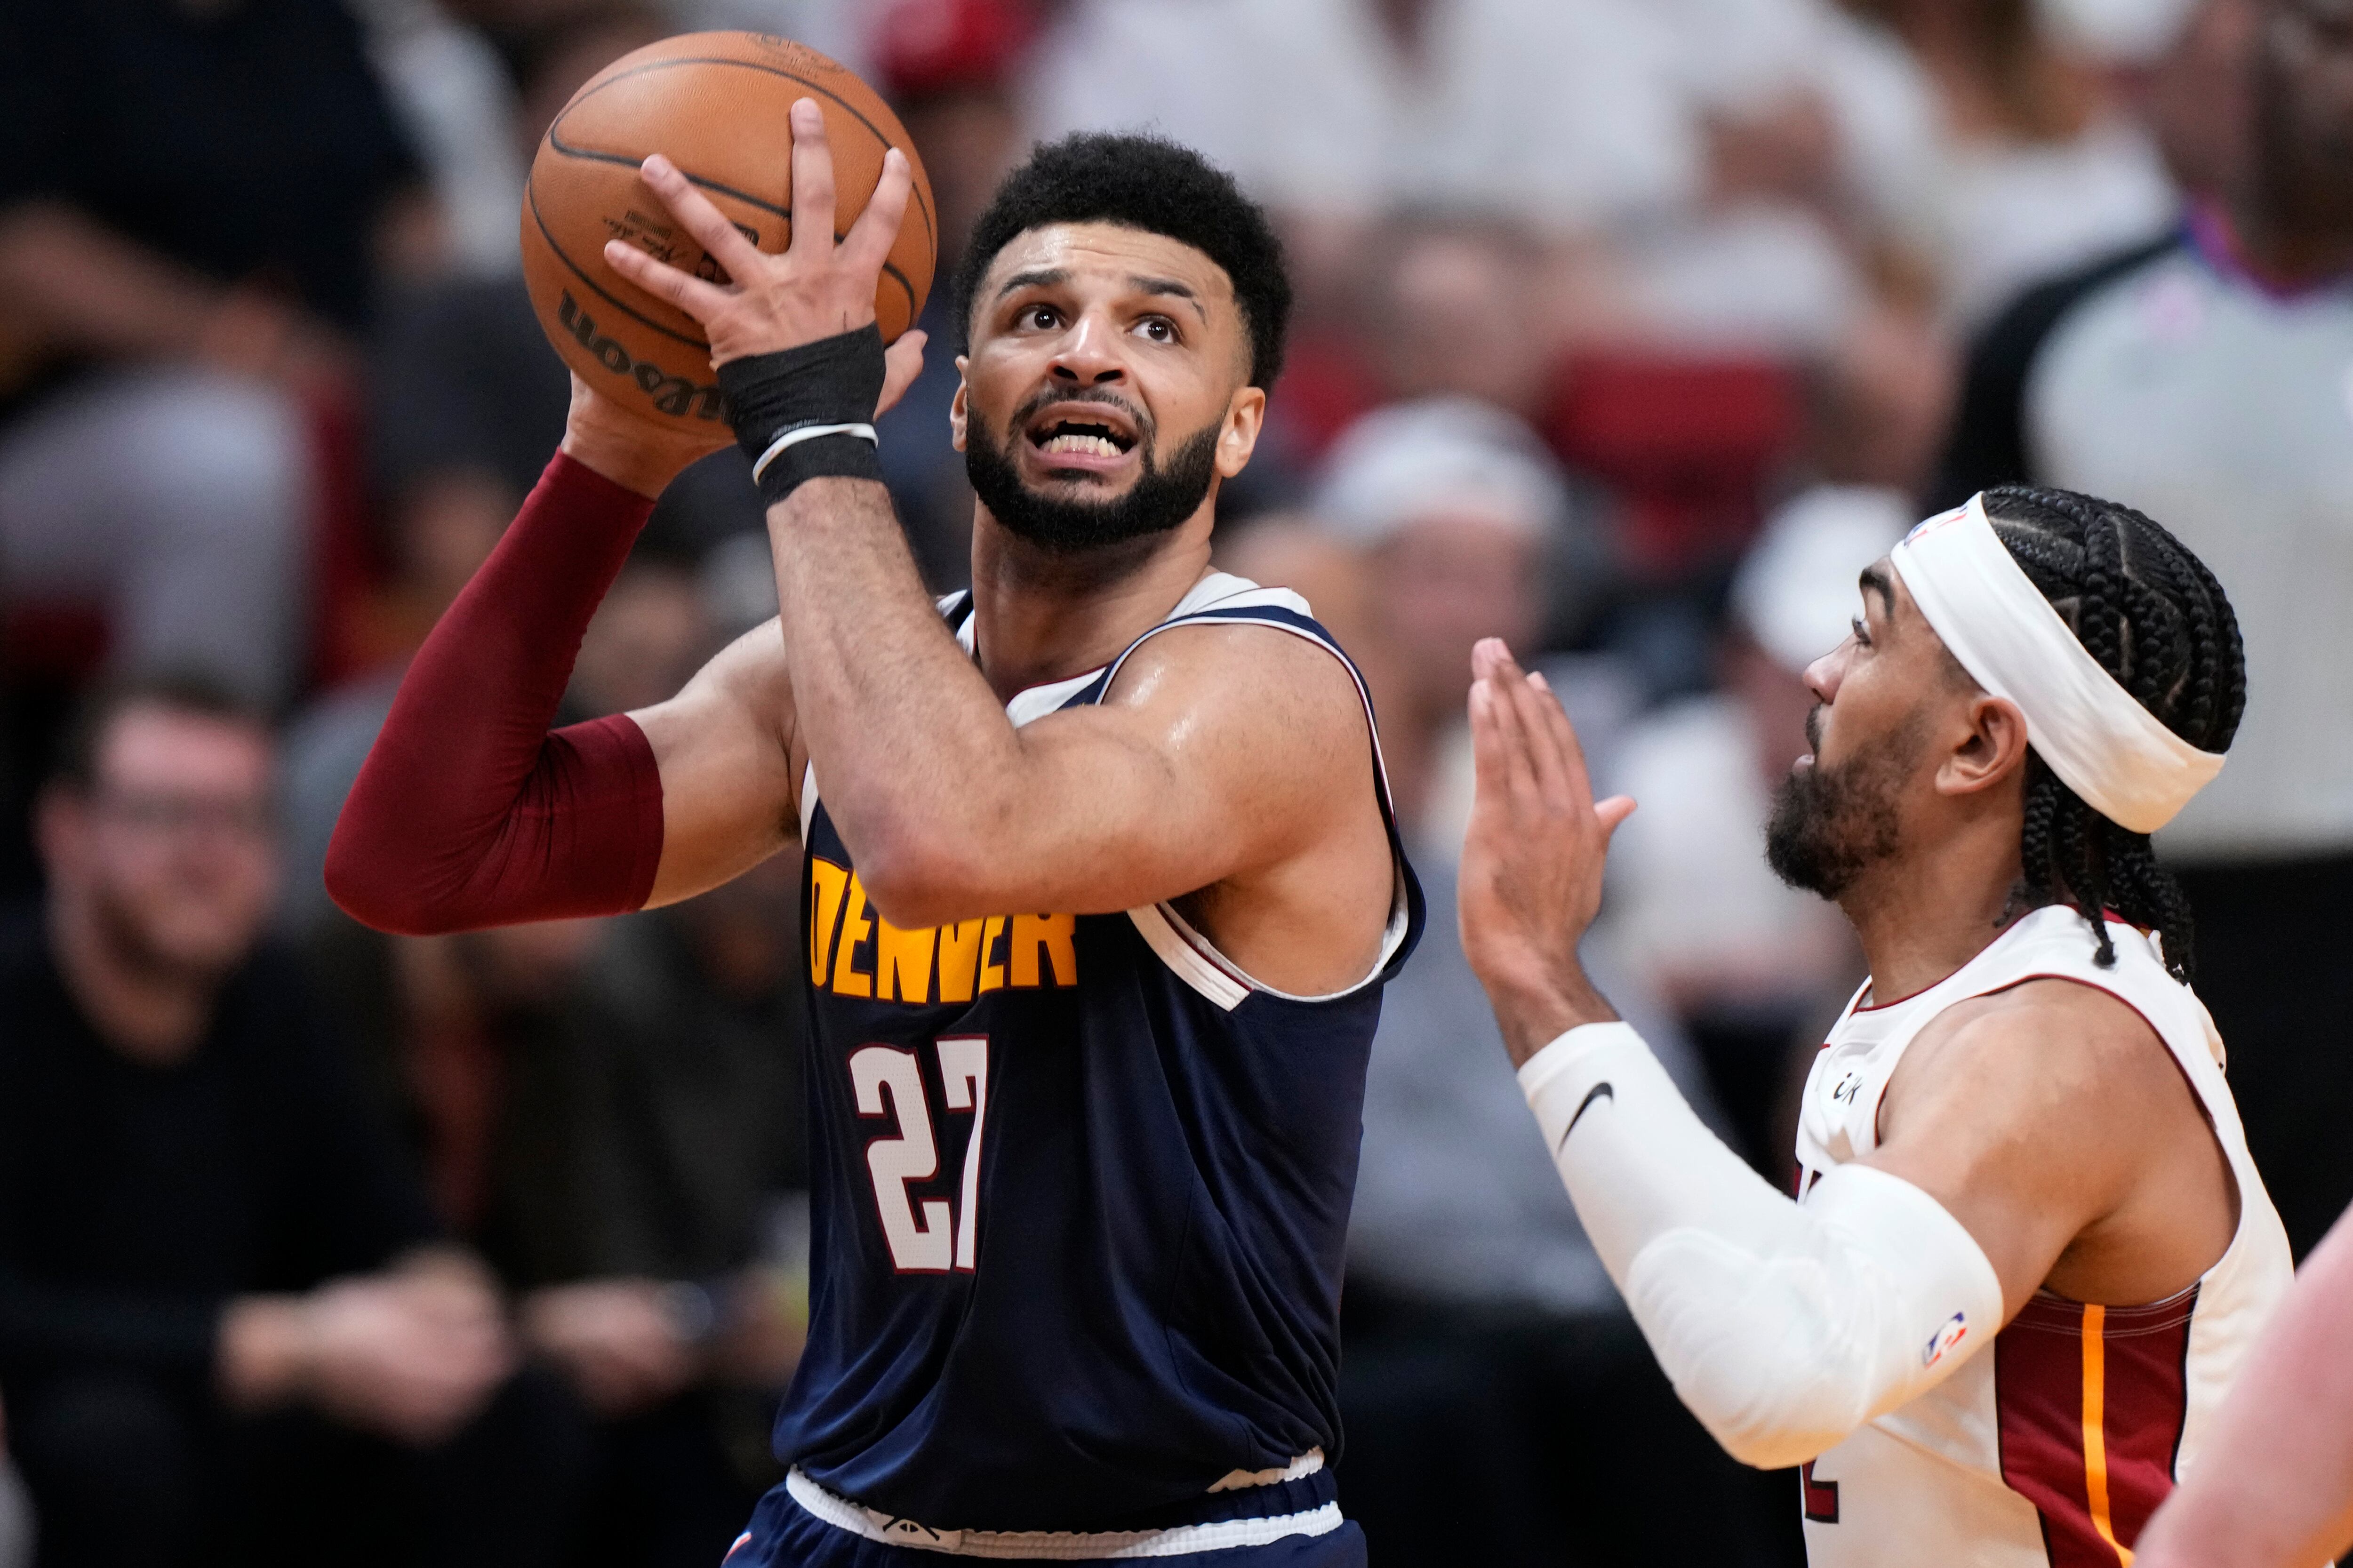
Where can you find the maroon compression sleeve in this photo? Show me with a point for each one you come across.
(469, 812)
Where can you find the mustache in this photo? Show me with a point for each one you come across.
(1814, 729)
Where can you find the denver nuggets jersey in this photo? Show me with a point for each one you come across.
(2053, 1444)
(1081, 1193)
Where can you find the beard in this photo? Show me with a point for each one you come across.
(137, 942)
(1830, 826)
(1159, 500)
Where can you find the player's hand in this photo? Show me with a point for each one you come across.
(1531, 877)
(617, 1339)
(816, 289)
(634, 450)
(645, 455)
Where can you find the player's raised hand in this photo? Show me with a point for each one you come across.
(633, 449)
(1532, 862)
(818, 287)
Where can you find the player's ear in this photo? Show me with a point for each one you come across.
(1245, 417)
(1994, 751)
(955, 408)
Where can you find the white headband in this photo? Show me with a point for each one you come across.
(2103, 744)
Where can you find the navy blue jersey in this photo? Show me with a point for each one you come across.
(1080, 1192)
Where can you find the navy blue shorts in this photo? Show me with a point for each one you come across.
(785, 1535)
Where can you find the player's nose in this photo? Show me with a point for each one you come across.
(1089, 355)
(1822, 676)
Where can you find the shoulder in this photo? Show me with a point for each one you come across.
(1268, 678)
(2047, 1048)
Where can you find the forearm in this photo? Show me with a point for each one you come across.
(1783, 1327)
(2273, 1487)
(911, 746)
(1533, 1010)
(469, 812)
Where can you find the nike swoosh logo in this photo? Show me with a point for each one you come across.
(1599, 1091)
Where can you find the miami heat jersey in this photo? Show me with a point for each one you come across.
(2052, 1445)
(1080, 1198)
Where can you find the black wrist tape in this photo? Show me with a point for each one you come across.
(808, 413)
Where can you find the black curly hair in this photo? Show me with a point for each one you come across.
(1150, 184)
(2154, 617)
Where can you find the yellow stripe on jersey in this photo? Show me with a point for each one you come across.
(2095, 1437)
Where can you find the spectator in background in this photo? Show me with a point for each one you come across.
(951, 68)
(465, 404)
(2190, 83)
(612, 1111)
(2204, 381)
(1564, 110)
(1470, 1426)
(2039, 167)
(650, 633)
(1566, 114)
(1754, 968)
(2198, 94)
(466, 399)
(228, 1332)
(1451, 301)
(192, 202)
(1458, 512)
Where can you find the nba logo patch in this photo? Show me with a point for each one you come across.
(1955, 1329)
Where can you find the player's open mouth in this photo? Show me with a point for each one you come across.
(1088, 431)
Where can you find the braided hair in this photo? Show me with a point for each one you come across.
(2154, 617)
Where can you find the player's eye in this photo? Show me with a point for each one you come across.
(1157, 328)
(1041, 318)
(1862, 632)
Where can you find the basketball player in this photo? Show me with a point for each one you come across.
(2029, 1250)
(1101, 881)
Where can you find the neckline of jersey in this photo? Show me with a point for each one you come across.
(1914, 996)
(967, 637)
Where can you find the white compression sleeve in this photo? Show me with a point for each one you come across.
(1783, 1326)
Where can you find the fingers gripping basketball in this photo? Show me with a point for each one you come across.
(819, 287)
(717, 106)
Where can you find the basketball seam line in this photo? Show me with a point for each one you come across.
(530, 196)
(712, 184)
(846, 107)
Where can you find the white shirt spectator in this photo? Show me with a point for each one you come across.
(1568, 111)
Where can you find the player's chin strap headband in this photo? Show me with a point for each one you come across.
(2103, 744)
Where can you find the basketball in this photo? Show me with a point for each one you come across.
(717, 105)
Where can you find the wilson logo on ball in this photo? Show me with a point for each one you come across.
(672, 394)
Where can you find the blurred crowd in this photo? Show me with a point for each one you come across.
(1629, 330)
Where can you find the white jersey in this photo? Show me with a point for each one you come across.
(2052, 1445)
